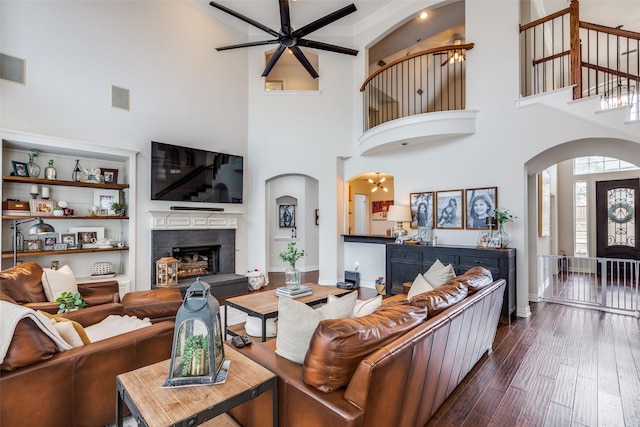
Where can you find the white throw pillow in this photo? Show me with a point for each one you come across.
(55, 282)
(114, 325)
(439, 276)
(362, 308)
(68, 333)
(419, 286)
(297, 322)
(253, 327)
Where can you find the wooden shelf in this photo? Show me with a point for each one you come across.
(52, 217)
(67, 251)
(24, 180)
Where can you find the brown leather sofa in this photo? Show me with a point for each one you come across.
(41, 386)
(399, 381)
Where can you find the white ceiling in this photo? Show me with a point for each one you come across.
(450, 18)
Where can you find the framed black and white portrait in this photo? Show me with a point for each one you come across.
(481, 203)
(421, 209)
(287, 216)
(449, 209)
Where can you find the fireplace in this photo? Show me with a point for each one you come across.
(197, 261)
(209, 253)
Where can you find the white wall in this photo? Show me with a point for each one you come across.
(182, 91)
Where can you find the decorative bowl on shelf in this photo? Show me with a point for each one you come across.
(103, 267)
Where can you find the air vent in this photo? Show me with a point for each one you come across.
(12, 69)
(120, 97)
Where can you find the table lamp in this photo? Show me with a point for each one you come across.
(399, 214)
(40, 227)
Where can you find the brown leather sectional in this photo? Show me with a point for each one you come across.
(40, 386)
(401, 382)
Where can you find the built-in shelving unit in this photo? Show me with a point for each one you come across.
(80, 196)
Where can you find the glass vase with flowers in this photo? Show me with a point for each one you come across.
(292, 274)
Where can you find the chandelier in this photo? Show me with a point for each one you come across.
(377, 184)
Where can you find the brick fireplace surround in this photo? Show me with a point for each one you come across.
(186, 229)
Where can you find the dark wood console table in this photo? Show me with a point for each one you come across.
(405, 262)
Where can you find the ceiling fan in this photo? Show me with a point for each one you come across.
(455, 55)
(291, 39)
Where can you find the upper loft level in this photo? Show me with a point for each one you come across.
(421, 97)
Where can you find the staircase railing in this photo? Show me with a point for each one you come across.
(559, 50)
(422, 82)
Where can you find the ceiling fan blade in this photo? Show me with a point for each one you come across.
(285, 17)
(244, 18)
(326, 46)
(235, 46)
(325, 20)
(304, 61)
(276, 55)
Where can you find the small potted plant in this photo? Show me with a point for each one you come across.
(118, 208)
(291, 274)
(195, 356)
(502, 217)
(68, 301)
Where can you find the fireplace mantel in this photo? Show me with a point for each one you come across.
(192, 220)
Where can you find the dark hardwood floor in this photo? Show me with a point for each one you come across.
(562, 366)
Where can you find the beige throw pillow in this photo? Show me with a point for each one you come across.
(419, 286)
(362, 308)
(297, 323)
(439, 276)
(55, 282)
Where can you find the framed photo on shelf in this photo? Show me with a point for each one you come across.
(421, 209)
(449, 209)
(69, 239)
(110, 176)
(104, 198)
(91, 175)
(424, 233)
(494, 242)
(40, 207)
(287, 216)
(49, 242)
(32, 245)
(20, 169)
(87, 236)
(481, 203)
(483, 239)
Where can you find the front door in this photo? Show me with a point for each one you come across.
(617, 227)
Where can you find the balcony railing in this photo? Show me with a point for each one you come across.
(423, 82)
(559, 50)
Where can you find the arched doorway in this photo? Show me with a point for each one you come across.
(291, 204)
(535, 243)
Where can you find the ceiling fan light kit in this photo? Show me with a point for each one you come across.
(288, 38)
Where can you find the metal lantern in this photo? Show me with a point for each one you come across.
(166, 272)
(198, 351)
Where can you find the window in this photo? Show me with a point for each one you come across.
(580, 231)
(600, 164)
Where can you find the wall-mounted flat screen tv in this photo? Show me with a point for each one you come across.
(183, 174)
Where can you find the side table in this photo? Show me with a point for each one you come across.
(151, 405)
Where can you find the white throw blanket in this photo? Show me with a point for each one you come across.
(11, 314)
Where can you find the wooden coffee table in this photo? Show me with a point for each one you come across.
(264, 305)
(151, 405)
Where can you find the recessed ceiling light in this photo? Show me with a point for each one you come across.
(424, 15)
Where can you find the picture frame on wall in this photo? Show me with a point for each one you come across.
(421, 209)
(379, 209)
(287, 216)
(449, 209)
(480, 205)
